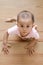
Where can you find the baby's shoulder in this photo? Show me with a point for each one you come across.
(35, 33)
(14, 27)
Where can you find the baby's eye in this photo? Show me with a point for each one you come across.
(27, 26)
(22, 26)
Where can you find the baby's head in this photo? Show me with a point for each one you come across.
(25, 21)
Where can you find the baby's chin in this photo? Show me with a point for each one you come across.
(23, 35)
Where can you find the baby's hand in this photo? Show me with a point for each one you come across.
(31, 46)
(30, 50)
(5, 49)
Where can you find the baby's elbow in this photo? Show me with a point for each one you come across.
(5, 35)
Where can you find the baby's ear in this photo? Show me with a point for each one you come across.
(35, 26)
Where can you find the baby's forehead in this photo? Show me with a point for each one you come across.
(25, 21)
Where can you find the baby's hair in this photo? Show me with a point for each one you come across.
(25, 14)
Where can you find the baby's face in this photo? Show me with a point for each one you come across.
(25, 26)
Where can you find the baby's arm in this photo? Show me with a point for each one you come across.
(5, 39)
(31, 46)
(12, 30)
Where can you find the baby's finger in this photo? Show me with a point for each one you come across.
(2, 50)
(31, 52)
(5, 50)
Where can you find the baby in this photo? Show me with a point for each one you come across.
(24, 29)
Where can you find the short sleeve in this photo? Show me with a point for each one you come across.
(12, 30)
(36, 34)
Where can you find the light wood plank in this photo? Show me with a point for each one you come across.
(18, 47)
(18, 56)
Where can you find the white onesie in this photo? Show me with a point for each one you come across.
(32, 34)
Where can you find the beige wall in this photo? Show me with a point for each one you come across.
(10, 8)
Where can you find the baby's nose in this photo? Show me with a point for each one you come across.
(24, 29)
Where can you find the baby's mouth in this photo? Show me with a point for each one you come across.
(24, 34)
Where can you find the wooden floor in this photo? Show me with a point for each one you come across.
(17, 53)
(18, 56)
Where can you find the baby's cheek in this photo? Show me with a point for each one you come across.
(21, 30)
(29, 30)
